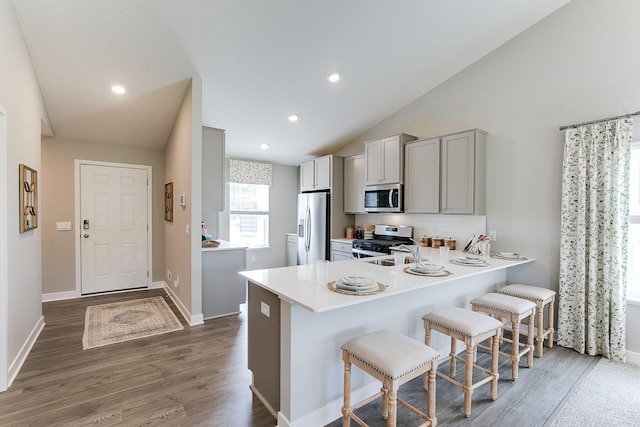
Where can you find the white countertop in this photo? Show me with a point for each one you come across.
(299, 284)
(224, 246)
(343, 240)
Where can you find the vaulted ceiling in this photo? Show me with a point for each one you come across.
(259, 61)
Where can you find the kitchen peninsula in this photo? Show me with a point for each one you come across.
(297, 325)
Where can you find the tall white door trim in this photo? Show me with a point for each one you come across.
(4, 253)
(78, 225)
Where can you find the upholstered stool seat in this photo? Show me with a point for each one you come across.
(393, 359)
(541, 297)
(471, 328)
(514, 310)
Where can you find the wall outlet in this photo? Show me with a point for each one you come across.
(168, 274)
(492, 234)
(264, 308)
(176, 282)
(253, 257)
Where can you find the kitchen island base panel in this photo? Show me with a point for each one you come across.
(310, 343)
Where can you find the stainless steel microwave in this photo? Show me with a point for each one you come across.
(383, 198)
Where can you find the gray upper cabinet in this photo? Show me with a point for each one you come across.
(384, 159)
(354, 184)
(422, 176)
(463, 173)
(213, 169)
(317, 174)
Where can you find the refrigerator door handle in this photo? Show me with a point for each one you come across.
(307, 220)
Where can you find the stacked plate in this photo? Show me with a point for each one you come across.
(356, 284)
(507, 255)
(426, 269)
(468, 260)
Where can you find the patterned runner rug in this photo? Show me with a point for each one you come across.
(609, 396)
(124, 321)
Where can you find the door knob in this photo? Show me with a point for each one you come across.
(86, 236)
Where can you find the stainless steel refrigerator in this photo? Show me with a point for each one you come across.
(313, 225)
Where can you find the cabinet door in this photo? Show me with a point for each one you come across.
(322, 173)
(354, 184)
(373, 154)
(458, 173)
(391, 160)
(307, 176)
(422, 176)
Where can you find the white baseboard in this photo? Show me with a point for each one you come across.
(157, 285)
(633, 358)
(17, 363)
(192, 320)
(59, 296)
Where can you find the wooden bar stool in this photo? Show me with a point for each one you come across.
(541, 297)
(514, 310)
(471, 328)
(393, 359)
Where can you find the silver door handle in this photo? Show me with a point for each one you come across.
(86, 236)
(390, 198)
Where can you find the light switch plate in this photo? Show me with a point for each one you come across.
(264, 308)
(63, 226)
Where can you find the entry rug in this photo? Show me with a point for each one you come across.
(128, 320)
(609, 396)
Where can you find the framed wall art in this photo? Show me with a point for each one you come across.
(168, 202)
(28, 198)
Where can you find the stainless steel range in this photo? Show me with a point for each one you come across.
(384, 238)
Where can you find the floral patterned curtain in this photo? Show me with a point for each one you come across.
(594, 235)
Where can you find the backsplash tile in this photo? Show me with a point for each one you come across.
(458, 227)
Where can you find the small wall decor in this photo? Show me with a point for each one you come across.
(28, 198)
(168, 202)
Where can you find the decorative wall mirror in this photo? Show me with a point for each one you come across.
(28, 198)
(168, 202)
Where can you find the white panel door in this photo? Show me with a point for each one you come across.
(113, 228)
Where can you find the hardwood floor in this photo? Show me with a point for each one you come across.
(194, 377)
(199, 377)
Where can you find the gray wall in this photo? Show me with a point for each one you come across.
(581, 63)
(58, 191)
(20, 252)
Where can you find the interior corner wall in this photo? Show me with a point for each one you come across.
(177, 239)
(20, 95)
(580, 63)
(58, 203)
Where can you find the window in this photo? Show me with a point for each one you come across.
(249, 214)
(633, 286)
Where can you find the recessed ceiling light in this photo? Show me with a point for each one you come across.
(293, 118)
(264, 146)
(333, 77)
(118, 89)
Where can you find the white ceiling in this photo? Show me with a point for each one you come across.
(259, 61)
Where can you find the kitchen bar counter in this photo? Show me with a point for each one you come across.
(299, 285)
(297, 325)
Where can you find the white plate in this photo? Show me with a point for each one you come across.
(357, 281)
(430, 268)
(470, 260)
(458, 261)
(510, 255)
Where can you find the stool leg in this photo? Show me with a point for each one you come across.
(540, 334)
(385, 400)
(495, 350)
(530, 340)
(515, 346)
(431, 394)
(452, 354)
(346, 406)
(427, 341)
(393, 404)
(468, 380)
(550, 325)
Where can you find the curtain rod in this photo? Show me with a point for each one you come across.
(637, 113)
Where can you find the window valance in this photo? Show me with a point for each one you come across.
(248, 172)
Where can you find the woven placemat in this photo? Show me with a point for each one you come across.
(443, 273)
(520, 258)
(332, 287)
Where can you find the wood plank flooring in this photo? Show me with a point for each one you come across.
(199, 377)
